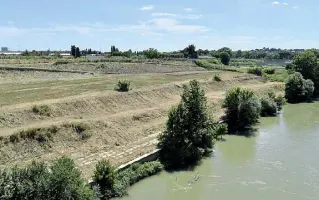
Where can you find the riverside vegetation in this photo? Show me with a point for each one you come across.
(62, 180)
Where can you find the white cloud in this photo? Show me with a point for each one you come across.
(172, 25)
(285, 4)
(177, 15)
(148, 7)
(164, 14)
(275, 3)
(295, 7)
(188, 9)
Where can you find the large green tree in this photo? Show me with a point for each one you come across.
(190, 52)
(189, 129)
(225, 58)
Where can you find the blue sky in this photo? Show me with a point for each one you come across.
(166, 25)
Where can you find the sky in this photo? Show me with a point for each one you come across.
(166, 25)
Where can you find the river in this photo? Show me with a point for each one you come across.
(280, 162)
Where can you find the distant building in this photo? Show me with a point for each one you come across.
(4, 49)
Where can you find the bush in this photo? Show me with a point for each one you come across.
(123, 86)
(268, 107)
(39, 181)
(255, 70)
(44, 110)
(269, 70)
(224, 58)
(220, 130)
(104, 177)
(217, 78)
(280, 101)
(127, 177)
(297, 89)
(242, 108)
(189, 129)
(309, 89)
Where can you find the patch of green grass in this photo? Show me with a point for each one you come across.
(279, 76)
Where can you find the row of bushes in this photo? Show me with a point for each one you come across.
(243, 108)
(259, 71)
(62, 180)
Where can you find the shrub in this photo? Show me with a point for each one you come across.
(123, 86)
(189, 129)
(127, 177)
(309, 89)
(213, 61)
(242, 108)
(280, 101)
(224, 58)
(44, 110)
(104, 177)
(269, 70)
(220, 130)
(297, 89)
(82, 129)
(39, 181)
(217, 78)
(268, 107)
(255, 70)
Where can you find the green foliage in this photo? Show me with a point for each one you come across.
(123, 179)
(268, 107)
(43, 110)
(280, 101)
(309, 89)
(123, 86)
(104, 177)
(190, 52)
(213, 61)
(224, 58)
(220, 130)
(151, 53)
(306, 63)
(224, 50)
(298, 89)
(189, 129)
(269, 70)
(255, 70)
(242, 108)
(39, 181)
(217, 78)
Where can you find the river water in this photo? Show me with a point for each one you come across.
(280, 162)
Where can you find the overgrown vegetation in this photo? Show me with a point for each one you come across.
(210, 65)
(123, 86)
(268, 70)
(255, 70)
(116, 183)
(225, 58)
(61, 180)
(268, 107)
(43, 110)
(298, 89)
(220, 130)
(242, 109)
(189, 129)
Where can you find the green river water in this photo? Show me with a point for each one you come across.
(280, 162)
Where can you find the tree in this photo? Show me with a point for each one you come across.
(242, 108)
(225, 58)
(104, 177)
(73, 50)
(306, 64)
(190, 52)
(151, 53)
(239, 54)
(225, 49)
(77, 52)
(189, 129)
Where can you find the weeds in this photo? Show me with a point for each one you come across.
(217, 78)
(43, 110)
(255, 70)
(123, 86)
